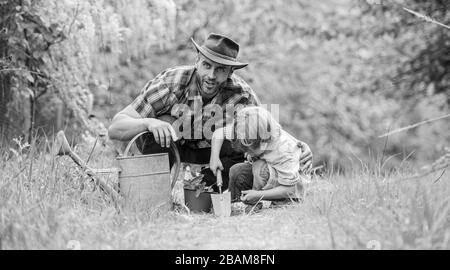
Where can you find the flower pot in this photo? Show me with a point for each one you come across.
(200, 204)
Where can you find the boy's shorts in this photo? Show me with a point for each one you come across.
(257, 176)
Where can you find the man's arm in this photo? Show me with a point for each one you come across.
(128, 123)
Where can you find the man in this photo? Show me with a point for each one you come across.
(210, 82)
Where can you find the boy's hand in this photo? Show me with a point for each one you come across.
(248, 158)
(250, 196)
(306, 159)
(215, 164)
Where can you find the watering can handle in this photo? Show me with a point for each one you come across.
(173, 148)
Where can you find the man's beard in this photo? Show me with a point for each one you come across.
(208, 88)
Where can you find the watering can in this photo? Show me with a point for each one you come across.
(144, 181)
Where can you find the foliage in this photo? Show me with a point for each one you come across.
(55, 50)
(338, 82)
(196, 185)
(47, 203)
(29, 39)
(413, 64)
(422, 46)
(343, 72)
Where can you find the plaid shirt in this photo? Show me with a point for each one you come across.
(178, 86)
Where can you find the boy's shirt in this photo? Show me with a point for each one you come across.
(282, 157)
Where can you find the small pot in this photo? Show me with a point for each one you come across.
(199, 204)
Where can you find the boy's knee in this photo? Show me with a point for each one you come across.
(261, 174)
(240, 175)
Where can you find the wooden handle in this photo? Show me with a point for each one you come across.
(63, 148)
(219, 178)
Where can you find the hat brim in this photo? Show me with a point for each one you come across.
(218, 59)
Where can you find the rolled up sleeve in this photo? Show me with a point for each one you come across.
(155, 99)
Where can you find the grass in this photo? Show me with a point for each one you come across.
(46, 202)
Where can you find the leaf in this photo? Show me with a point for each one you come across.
(196, 184)
(38, 54)
(29, 77)
(30, 92)
(54, 27)
(14, 152)
(200, 189)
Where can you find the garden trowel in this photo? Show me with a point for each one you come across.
(222, 201)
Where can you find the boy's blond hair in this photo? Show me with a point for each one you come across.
(255, 125)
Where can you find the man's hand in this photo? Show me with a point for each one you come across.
(215, 164)
(250, 196)
(162, 131)
(306, 159)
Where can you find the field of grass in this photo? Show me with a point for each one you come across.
(47, 203)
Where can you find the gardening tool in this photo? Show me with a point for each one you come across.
(62, 148)
(144, 181)
(222, 201)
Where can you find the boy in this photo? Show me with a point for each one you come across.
(272, 171)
